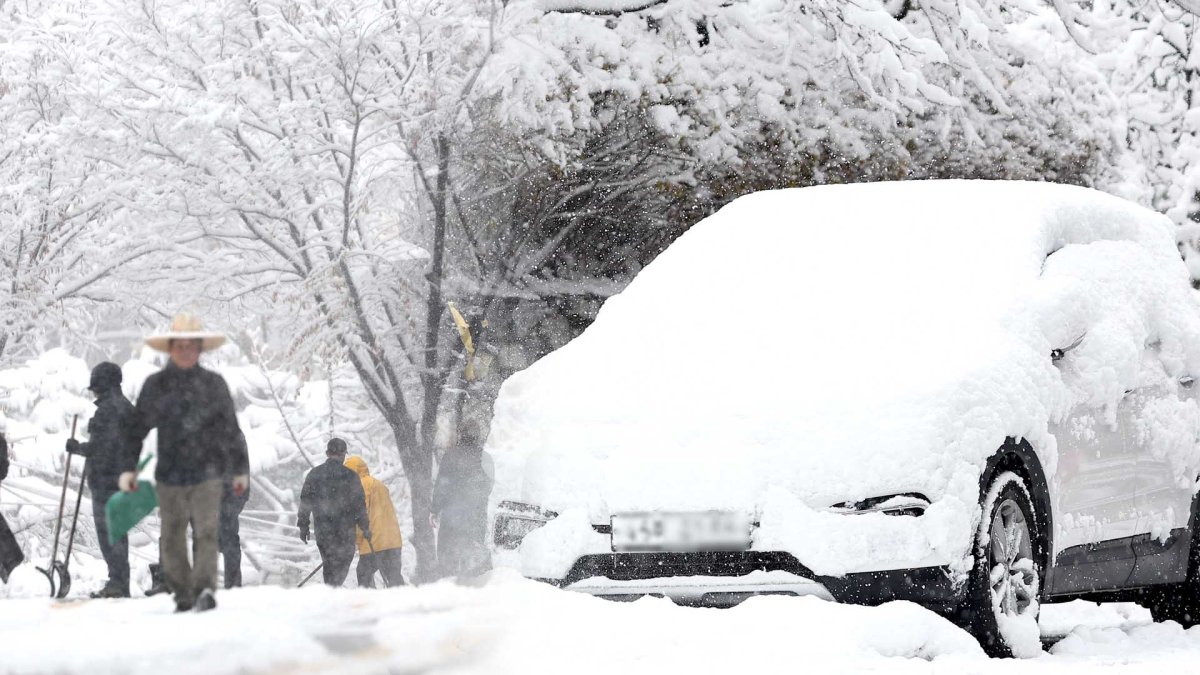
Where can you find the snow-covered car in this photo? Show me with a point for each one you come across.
(973, 395)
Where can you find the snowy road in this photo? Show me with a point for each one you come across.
(515, 626)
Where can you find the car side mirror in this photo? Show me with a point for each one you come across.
(1057, 354)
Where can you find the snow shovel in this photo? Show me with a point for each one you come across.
(64, 585)
(310, 575)
(126, 509)
(57, 567)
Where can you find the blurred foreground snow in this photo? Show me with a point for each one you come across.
(511, 625)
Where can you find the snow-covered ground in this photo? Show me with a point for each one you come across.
(511, 625)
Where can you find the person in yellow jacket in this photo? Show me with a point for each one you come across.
(382, 553)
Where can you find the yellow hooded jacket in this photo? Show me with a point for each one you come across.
(385, 530)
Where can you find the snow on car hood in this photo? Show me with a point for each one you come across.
(845, 342)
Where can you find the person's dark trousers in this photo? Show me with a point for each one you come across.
(387, 562)
(461, 549)
(453, 550)
(115, 555)
(10, 551)
(228, 536)
(337, 557)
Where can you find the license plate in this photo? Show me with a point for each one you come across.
(705, 531)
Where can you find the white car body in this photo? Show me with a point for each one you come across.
(802, 352)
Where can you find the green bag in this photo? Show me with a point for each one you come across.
(126, 509)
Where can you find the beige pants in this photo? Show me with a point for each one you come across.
(179, 507)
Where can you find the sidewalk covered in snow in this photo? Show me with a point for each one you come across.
(511, 625)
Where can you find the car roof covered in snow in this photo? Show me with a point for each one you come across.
(838, 340)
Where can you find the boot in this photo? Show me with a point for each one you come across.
(205, 601)
(112, 590)
(158, 583)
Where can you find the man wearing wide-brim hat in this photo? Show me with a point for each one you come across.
(199, 442)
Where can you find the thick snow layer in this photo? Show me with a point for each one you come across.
(845, 342)
(510, 625)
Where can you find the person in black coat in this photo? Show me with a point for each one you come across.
(460, 498)
(199, 444)
(10, 551)
(229, 535)
(104, 452)
(333, 496)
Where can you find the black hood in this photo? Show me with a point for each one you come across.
(105, 376)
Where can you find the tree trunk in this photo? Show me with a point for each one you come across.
(418, 470)
(431, 379)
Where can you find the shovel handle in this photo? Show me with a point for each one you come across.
(62, 499)
(75, 518)
(311, 575)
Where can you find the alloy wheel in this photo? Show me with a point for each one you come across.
(1013, 578)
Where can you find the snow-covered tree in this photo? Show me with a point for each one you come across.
(647, 116)
(1151, 51)
(72, 241)
(313, 142)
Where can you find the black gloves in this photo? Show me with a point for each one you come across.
(304, 535)
(367, 534)
(73, 446)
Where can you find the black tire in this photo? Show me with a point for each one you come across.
(1178, 602)
(1004, 589)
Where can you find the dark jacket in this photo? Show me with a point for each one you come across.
(3, 457)
(460, 495)
(198, 434)
(333, 494)
(105, 448)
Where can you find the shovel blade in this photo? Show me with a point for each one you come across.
(63, 586)
(64, 580)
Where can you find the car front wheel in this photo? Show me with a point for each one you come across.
(1002, 603)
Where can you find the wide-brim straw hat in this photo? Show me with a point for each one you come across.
(185, 327)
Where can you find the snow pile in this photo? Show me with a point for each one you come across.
(1120, 646)
(1060, 619)
(510, 625)
(41, 398)
(742, 639)
(838, 343)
